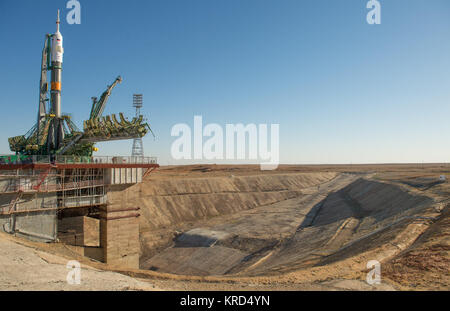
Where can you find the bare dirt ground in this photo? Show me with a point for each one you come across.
(29, 266)
(218, 227)
(426, 264)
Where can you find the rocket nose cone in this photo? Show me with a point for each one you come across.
(57, 23)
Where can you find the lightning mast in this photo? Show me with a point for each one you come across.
(138, 146)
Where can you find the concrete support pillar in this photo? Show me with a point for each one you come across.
(119, 229)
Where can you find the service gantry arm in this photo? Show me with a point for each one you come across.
(99, 106)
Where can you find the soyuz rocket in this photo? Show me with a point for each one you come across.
(56, 133)
(57, 52)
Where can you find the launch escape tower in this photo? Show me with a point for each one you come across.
(138, 146)
(54, 189)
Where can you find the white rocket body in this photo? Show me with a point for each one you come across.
(57, 47)
(56, 134)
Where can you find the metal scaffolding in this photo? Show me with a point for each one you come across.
(71, 188)
(138, 146)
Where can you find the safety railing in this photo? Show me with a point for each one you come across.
(23, 159)
(29, 185)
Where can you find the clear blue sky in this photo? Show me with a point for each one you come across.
(342, 91)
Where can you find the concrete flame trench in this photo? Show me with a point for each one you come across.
(62, 201)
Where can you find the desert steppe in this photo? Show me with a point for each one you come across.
(300, 227)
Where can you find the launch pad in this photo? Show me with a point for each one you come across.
(53, 185)
(46, 199)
